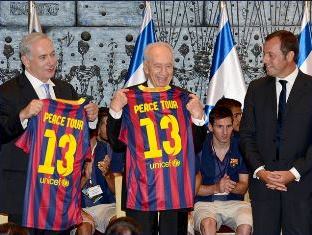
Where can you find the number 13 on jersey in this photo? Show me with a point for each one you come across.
(164, 124)
(62, 169)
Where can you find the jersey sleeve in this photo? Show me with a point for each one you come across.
(123, 131)
(243, 168)
(24, 141)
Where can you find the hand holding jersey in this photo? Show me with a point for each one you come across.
(152, 121)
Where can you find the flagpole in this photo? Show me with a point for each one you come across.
(33, 19)
(226, 78)
(146, 36)
(305, 42)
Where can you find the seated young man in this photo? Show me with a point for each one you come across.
(236, 107)
(224, 179)
(98, 198)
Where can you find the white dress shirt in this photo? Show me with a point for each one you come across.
(290, 82)
(41, 93)
(197, 122)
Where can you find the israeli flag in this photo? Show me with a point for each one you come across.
(147, 35)
(226, 77)
(305, 42)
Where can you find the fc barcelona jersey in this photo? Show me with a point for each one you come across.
(57, 140)
(160, 161)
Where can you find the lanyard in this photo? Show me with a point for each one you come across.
(222, 170)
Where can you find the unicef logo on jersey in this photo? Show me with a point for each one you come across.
(170, 163)
(57, 182)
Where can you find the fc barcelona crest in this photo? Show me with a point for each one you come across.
(233, 162)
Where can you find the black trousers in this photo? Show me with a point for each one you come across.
(292, 216)
(47, 232)
(171, 222)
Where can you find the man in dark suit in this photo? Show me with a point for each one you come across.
(158, 68)
(19, 101)
(276, 138)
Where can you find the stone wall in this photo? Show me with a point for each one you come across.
(95, 39)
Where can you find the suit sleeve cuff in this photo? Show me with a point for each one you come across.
(114, 114)
(294, 171)
(92, 125)
(200, 122)
(256, 171)
(24, 123)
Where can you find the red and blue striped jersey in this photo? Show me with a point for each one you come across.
(57, 140)
(160, 159)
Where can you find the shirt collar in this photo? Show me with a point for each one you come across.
(291, 77)
(35, 82)
(149, 84)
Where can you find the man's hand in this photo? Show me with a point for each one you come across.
(272, 180)
(119, 100)
(285, 177)
(226, 185)
(87, 171)
(195, 107)
(92, 111)
(104, 165)
(32, 109)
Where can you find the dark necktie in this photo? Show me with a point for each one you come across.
(281, 115)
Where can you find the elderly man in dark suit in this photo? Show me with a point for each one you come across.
(19, 101)
(158, 68)
(276, 138)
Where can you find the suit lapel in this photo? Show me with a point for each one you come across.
(272, 100)
(27, 90)
(298, 91)
(57, 91)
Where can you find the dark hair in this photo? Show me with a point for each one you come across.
(228, 103)
(12, 229)
(103, 112)
(219, 112)
(289, 42)
(122, 225)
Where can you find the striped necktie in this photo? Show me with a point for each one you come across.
(47, 90)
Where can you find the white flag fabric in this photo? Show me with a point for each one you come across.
(305, 42)
(147, 35)
(33, 20)
(226, 77)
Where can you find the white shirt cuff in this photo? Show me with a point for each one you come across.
(115, 115)
(92, 125)
(256, 171)
(294, 171)
(24, 123)
(200, 122)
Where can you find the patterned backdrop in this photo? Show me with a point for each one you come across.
(94, 40)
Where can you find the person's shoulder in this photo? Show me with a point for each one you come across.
(134, 87)
(235, 145)
(261, 83)
(305, 77)
(59, 82)
(207, 141)
(12, 83)
(183, 90)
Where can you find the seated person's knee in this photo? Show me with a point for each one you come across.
(208, 223)
(243, 229)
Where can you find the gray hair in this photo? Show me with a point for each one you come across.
(155, 44)
(28, 40)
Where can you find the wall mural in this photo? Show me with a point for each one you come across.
(94, 40)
